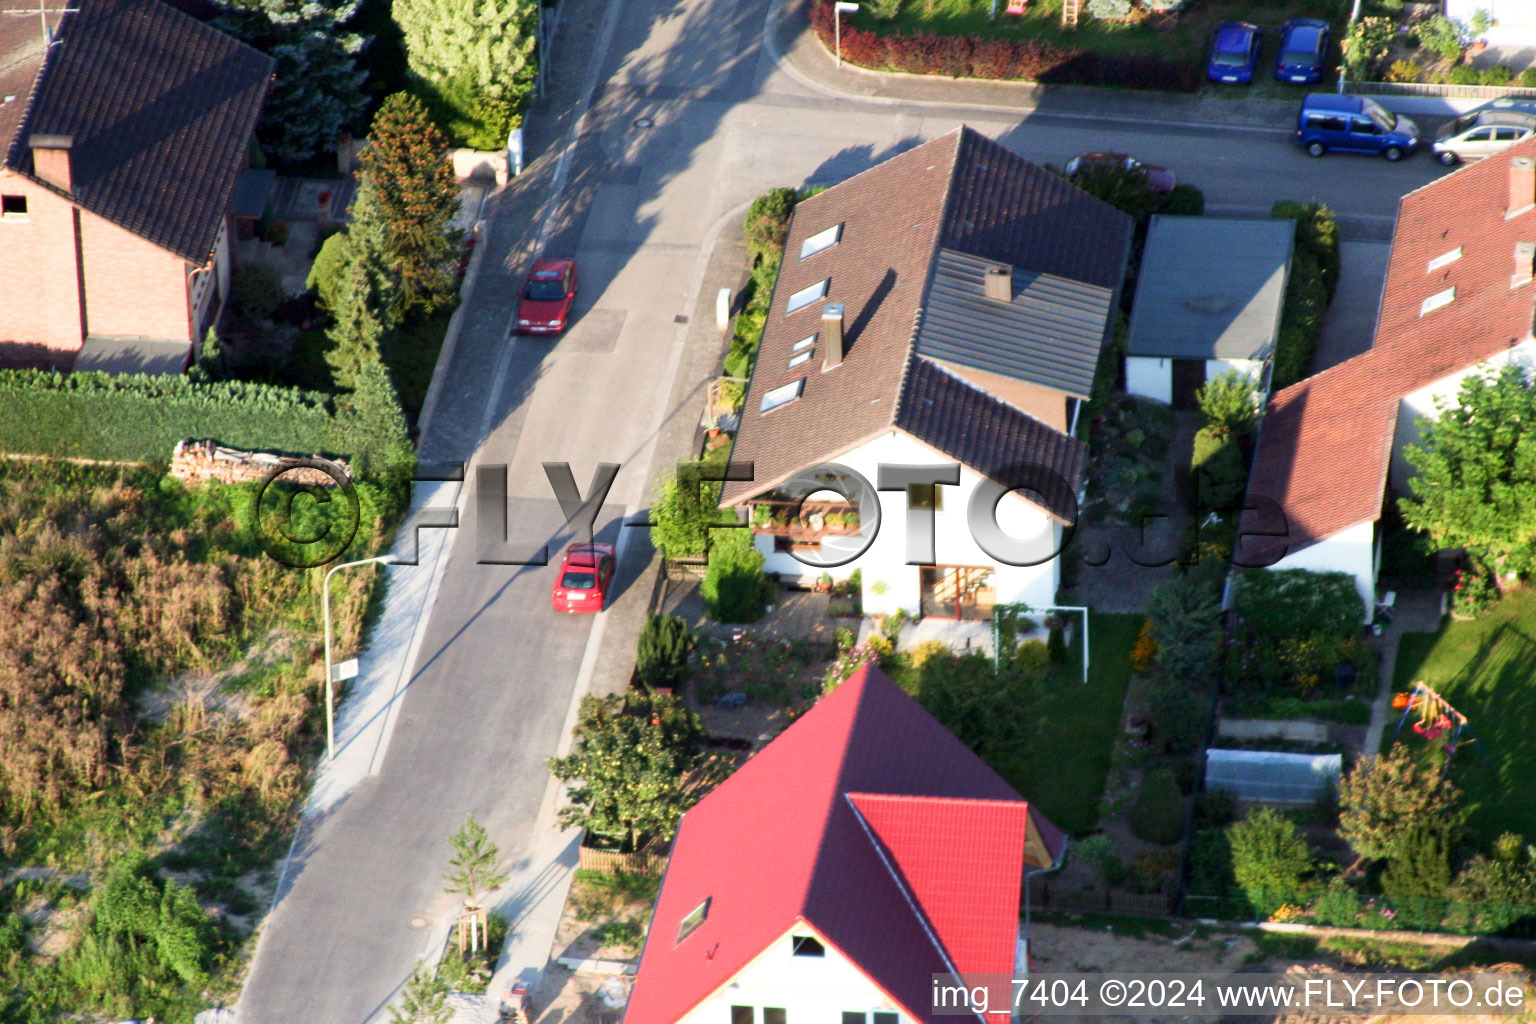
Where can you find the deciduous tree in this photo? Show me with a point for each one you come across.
(1385, 794)
(477, 56)
(1476, 480)
(475, 867)
(1269, 857)
(424, 1000)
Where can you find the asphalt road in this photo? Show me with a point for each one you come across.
(686, 119)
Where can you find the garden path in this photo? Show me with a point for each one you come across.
(1416, 611)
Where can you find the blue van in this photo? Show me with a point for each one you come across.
(1353, 124)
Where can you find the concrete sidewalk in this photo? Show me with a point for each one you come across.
(800, 54)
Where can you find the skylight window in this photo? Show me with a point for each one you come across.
(693, 920)
(782, 395)
(821, 240)
(803, 357)
(803, 344)
(1444, 259)
(805, 296)
(1438, 300)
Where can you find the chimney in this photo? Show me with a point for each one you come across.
(832, 334)
(1522, 184)
(50, 159)
(1525, 264)
(997, 284)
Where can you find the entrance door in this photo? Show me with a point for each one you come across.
(956, 591)
(1188, 375)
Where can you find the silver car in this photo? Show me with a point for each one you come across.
(1482, 133)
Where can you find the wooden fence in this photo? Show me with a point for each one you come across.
(640, 862)
(1077, 901)
(1443, 89)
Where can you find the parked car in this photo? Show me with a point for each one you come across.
(1481, 133)
(1160, 179)
(1234, 52)
(544, 306)
(1353, 124)
(586, 574)
(1303, 48)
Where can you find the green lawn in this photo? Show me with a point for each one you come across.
(1487, 669)
(1182, 37)
(1064, 768)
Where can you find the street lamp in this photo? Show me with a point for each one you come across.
(839, 9)
(325, 605)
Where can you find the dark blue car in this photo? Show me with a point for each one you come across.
(1234, 52)
(1303, 47)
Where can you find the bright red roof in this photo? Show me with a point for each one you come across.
(866, 819)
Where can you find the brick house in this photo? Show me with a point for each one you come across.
(863, 851)
(121, 140)
(945, 309)
(1459, 298)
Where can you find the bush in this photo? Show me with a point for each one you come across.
(256, 291)
(768, 218)
(1099, 850)
(1032, 657)
(1210, 863)
(1216, 806)
(1186, 623)
(1421, 864)
(1219, 473)
(1184, 201)
(1441, 35)
(661, 657)
(734, 587)
(1498, 75)
(683, 513)
(1463, 74)
(1145, 651)
(1405, 71)
(1528, 78)
(1269, 857)
(325, 275)
(1313, 278)
(1229, 402)
(1289, 603)
(1178, 719)
(1158, 814)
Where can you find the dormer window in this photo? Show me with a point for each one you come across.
(695, 918)
(782, 395)
(806, 945)
(1437, 300)
(1444, 259)
(821, 240)
(805, 296)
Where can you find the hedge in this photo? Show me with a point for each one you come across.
(1313, 278)
(1297, 602)
(140, 417)
(927, 53)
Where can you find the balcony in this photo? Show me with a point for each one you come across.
(803, 524)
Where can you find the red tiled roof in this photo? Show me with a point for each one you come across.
(864, 804)
(1325, 447)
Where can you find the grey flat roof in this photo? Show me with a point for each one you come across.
(133, 355)
(1211, 287)
(1050, 334)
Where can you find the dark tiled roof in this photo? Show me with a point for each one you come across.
(160, 108)
(992, 437)
(961, 191)
(1324, 448)
(1050, 334)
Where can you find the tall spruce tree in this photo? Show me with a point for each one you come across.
(318, 87)
(408, 184)
(477, 56)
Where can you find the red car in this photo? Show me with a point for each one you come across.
(544, 307)
(1160, 179)
(585, 575)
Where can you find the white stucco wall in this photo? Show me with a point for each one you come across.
(1149, 377)
(1351, 550)
(1515, 19)
(1251, 367)
(885, 561)
(810, 989)
(1422, 403)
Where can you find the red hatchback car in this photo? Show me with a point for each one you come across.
(585, 576)
(544, 306)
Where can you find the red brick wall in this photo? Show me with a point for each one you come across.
(37, 266)
(133, 288)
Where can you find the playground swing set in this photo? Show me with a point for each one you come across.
(1436, 718)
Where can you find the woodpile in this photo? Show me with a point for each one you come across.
(198, 461)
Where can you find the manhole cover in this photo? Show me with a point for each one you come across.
(418, 921)
(643, 122)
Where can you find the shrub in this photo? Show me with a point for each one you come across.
(1145, 650)
(325, 274)
(1210, 863)
(1405, 71)
(1498, 75)
(767, 221)
(661, 657)
(883, 10)
(1366, 44)
(1158, 814)
(1313, 278)
(255, 291)
(1277, 604)
(1421, 864)
(1338, 906)
(1463, 74)
(683, 513)
(926, 651)
(734, 586)
(1099, 850)
(1216, 806)
(1186, 623)
(1184, 201)
(1528, 78)
(1110, 10)
(1229, 402)
(1031, 657)
(1269, 857)
(1219, 473)
(993, 58)
(1178, 719)
(1441, 35)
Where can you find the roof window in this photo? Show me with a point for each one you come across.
(821, 240)
(803, 357)
(782, 395)
(805, 296)
(693, 920)
(1444, 259)
(803, 344)
(1435, 301)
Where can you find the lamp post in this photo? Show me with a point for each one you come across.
(839, 9)
(325, 606)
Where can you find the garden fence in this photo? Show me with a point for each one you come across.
(1079, 901)
(640, 862)
(1442, 89)
(1354, 910)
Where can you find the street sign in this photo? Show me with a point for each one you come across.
(346, 670)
